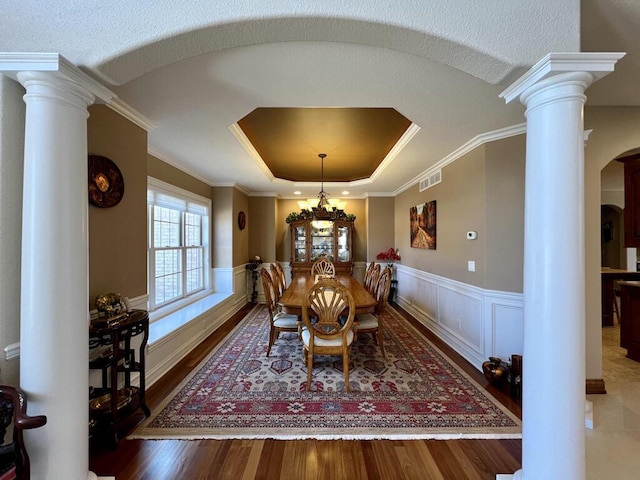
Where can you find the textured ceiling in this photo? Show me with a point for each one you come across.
(194, 72)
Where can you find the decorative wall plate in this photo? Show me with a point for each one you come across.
(242, 220)
(106, 185)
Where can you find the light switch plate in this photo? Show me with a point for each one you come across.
(471, 265)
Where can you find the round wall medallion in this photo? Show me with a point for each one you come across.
(106, 185)
(242, 220)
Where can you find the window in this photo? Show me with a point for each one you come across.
(178, 243)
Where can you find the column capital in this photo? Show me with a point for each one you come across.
(55, 69)
(11, 64)
(596, 65)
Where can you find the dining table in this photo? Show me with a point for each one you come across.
(297, 290)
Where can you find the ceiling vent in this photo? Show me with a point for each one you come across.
(431, 180)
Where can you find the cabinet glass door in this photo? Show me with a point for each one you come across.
(322, 240)
(344, 254)
(300, 243)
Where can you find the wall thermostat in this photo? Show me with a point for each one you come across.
(472, 235)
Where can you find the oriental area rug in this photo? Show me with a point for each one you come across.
(415, 393)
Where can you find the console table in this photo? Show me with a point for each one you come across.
(110, 405)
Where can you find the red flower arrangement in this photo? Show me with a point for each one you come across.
(391, 255)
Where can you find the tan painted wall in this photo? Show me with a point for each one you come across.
(240, 237)
(360, 236)
(380, 218)
(261, 220)
(460, 206)
(117, 235)
(156, 168)
(12, 116)
(504, 228)
(222, 220)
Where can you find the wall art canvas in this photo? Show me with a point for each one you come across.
(423, 225)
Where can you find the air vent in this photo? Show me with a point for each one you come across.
(431, 180)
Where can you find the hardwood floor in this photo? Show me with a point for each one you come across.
(305, 459)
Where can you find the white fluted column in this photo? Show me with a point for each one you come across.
(553, 414)
(54, 315)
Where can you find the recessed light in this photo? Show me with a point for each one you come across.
(297, 192)
(345, 193)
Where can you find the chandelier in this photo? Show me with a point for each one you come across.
(323, 206)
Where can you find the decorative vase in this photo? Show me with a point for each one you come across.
(495, 370)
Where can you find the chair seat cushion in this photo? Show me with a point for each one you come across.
(321, 342)
(367, 321)
(285, 320)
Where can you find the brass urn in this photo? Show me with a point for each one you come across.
(496, 371)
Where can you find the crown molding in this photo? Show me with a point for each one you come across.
(250, 149)
(235, 185)
(128, 112)
(265, 194)
(165, 158)
(393, 153)
(472, 144)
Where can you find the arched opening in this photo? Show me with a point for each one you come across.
(614, 255)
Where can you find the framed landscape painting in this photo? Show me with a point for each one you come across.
(423, 225)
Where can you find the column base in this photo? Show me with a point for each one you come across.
(510, 476)
(93, 476)
(595, 386)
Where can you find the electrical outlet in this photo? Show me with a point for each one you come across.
(471, 265)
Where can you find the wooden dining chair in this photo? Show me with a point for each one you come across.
(323, 266)
(278, 321)
(331, 332)
(367, 274)
(373, 279)
(372, 322)
(281, 275)
(278, 285)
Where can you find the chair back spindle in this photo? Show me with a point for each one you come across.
(323, 266)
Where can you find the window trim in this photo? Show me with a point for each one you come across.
(193, 201)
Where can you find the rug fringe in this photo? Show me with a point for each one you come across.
(236, 436)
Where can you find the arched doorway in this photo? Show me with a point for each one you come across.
(614, 255)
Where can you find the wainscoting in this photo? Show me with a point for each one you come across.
(477, 323)
(165, 352)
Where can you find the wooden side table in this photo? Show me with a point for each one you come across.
(110, 405)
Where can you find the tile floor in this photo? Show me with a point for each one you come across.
(613, 446)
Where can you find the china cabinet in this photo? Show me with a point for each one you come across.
(312, 239)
